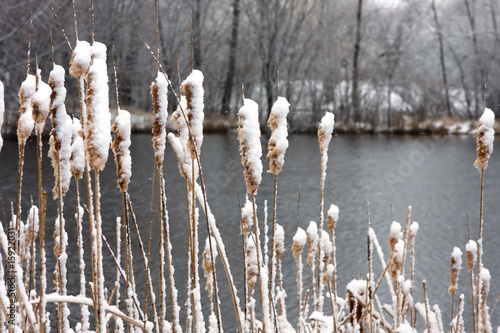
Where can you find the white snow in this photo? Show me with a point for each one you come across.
(404, 328)
(26, 122)
(77, 159)
(471, 253)
(279, 237)
(251, 149)
(486, 123)
(327, 245)
(98, 126)
(456, 255)
(81, 58)
(333, 212)
(300, 237)
(357, 287)
(41, 103)
(278, 142)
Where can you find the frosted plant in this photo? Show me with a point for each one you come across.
(121, 149)
(159, 89)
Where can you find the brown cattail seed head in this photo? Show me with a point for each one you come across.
(485, 137)
(299, 240)
(394, 234)
(455, 267)
(333, 217)
(246, 218)
(397, 259)
(252, 268)
(312, 242)
(159, 89)
(80, 59)
(279, 243)
(278, 143)
(471, 254)
(26, 123)
(120, 146)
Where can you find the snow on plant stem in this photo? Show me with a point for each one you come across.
(251, 149)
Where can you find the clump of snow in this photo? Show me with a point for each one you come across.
(312, 242)
(80, 59)
(405, 328)
(193, 90)
(250, 146)
(395, 234)
(77, 159)
(247, 217)
(327, 245)
(413, 233)
(159, 90)
(485, 138)
(299, 240)
(41, 103)
(357, 288)
(471, 253)
(121, 148)
(98, 122)
(278, 143)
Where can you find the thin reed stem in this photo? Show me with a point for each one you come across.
(257, 249)
(479, 250)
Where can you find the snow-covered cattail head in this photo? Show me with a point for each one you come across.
(60, 153)
(485, 137)
(471, 254)
(2, 110)
(325, 131)
(98, 126)
(327, 246)
(278, 143)
(77, 153)
(26, 122)
(327, 276)
(246, 218)
(121, 145)
(159, 90)
(41, 103)
(333, 217)
(193, 90)
(413, 233)
(251, 149)
(299, 240)
(394, 234)
(80, 59)
(455, 267)
(397, 259)
(251, 258)
(207, 263)
(279, 237)
(312, 242)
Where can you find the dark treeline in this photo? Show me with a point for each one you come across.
(424, 59)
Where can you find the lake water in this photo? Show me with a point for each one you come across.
(435, 175)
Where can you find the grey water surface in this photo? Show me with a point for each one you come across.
(434, 175)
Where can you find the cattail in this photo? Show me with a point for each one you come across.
(325, 131)
(26, 123)
(333, 217)
(121, 145)
(394, 234)
(193, 90)
(471, 254)
(485, 278)
(60, 136)
(397, 259)
(98, 122)
(208, 265)
(40, 103)
(246, 223)
(252, 266)
(413, 233)
(80, 59)
(456, 266)
(251, 149)
(485, 137)
(312, 242)
(278, 142)
(327, 246)
(279, 240)
(77, 160)
(299, 240)
(327, 276)
(2, 110)
(159, 90)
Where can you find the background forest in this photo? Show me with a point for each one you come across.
(406, 59)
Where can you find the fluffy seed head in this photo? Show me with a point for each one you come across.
(455, 267)
(193, 90)
(471, 253)
(333, 217)
(278, 143)
(485, 137)
(299, 240)
(159, 89)
(80, 59)
(121, 149)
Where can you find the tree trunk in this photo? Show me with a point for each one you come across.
(197, 35)
(228, 85)
(478, 73)
(357, 45)
(441, 58)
